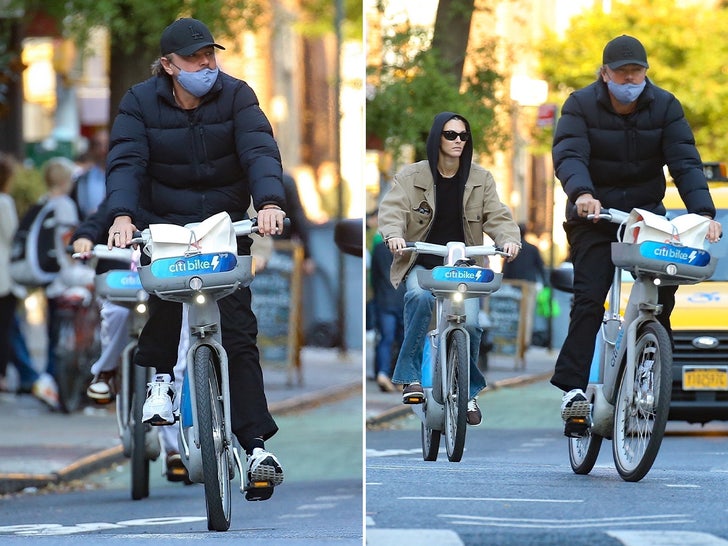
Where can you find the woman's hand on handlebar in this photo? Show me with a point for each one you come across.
(396, 244)
(586, 204)
(513, 249)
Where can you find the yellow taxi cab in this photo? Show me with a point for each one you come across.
(700, 322)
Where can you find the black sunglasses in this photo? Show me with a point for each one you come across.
(452, 135)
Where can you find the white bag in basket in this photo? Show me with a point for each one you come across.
(216, 234)
(687, 229)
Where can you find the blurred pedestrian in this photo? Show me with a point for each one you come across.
(90, 187)
(389, 309)
(12, 343)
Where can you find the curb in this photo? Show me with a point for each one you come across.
(17, 481)
(400, 411)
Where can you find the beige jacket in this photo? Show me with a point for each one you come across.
(408, 210)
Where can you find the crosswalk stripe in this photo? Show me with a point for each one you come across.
(667, 538)
(397, 537)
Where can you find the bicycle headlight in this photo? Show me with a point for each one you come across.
(671, 269)
(195, 283)
(200, 298)
(462, 288)
(457, 297)
(141, 308)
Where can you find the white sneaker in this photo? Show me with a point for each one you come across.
(574, 404)
(264, 472)
(45, 389)
(159, 407)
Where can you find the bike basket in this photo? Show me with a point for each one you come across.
(170, 278)
(476, 280)
(119, 285)
(672, 264)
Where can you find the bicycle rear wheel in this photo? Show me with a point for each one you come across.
(139, 460)
(456, 397)
(641, 413)
(430, 443)
(210, 427)
(78, 345)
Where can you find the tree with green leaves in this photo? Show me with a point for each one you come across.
(421, 74)
(686, 50)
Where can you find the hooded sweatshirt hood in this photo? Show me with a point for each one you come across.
(433, 144)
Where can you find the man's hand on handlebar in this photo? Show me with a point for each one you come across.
(586, 205)
(270, 221)
(715, 231)
(121, 232)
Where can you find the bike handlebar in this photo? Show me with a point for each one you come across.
(442, 250)
(615, 216)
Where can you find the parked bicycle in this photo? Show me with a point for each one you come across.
(76, 327)
(631, 374)
(446, 358)
(206, 441)
(140, 441)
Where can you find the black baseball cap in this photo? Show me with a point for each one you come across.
(624, 50)
(185, 36)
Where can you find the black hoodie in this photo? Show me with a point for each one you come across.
(445, 226)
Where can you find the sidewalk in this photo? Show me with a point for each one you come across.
(382, 407)
(41, 447)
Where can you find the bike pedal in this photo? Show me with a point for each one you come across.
(259, 491)
(413, 399)
(577, 427)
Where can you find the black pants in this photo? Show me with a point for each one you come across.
(248, 405)
(7, 313)
(590, 247)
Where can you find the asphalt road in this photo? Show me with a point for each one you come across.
(320, 501)
(514, 485)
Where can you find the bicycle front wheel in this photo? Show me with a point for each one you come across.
(210, 427)
(456, 397)
(641, 412)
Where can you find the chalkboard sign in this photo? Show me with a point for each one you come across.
(277, 306)
(509, 309)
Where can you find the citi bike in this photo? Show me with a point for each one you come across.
(630, 380)
(446, 358)
(205, 438)
(140, 441)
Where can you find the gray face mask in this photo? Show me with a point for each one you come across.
(197, 83)
(625, 93)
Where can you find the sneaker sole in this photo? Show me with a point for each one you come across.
(576, 427)
(579, 408)
(266, 473)
(157, 421)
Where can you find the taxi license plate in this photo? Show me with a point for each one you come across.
(696, 378)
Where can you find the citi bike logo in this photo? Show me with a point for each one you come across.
(683, 255)
(124, 280)
(462, 274)
(201, 264)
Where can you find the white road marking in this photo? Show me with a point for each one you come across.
(535, 523)
(492, 499)
(391, 452)
(397, 537)
(683, 485)
(666, 538)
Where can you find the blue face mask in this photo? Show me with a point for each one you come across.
(197, 83)
(625, 92)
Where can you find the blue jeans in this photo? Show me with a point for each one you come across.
(21, 356)
(418, 307)
(390, 324)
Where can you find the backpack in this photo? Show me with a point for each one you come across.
(33, 260)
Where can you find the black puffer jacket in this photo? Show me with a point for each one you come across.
(619, 159)
(193, 163)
